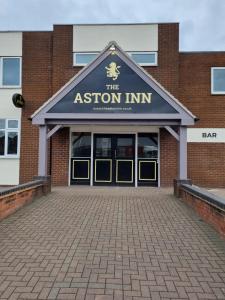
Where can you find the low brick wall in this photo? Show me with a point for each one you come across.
(210, 207)
(14, 198)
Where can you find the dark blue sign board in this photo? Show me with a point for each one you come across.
(113, 87)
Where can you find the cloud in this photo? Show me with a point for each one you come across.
(202, 22)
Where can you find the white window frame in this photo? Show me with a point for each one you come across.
(128, 52)
(1, 73)
(212, 81)
(146, 52)
(75, 64)
(7, 130)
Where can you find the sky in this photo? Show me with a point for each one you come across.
(202, 22)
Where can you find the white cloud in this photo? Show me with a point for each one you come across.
(202, 22)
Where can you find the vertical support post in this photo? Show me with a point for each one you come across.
(183, 153)
(43, 151)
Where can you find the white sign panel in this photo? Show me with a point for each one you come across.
(206, 135)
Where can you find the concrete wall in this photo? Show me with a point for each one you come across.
(10, 45)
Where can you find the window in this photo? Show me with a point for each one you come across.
(10, 75)
(144, 58)
(9, 132)
(82, 59)
(218, 80)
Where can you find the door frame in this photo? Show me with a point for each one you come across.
(114, 160)
(113, 130)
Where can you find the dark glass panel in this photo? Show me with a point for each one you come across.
(103, 171)
(148, 145)
(103, 147)
(81, 145)
(2, 142)
(124, 171)
(124, 147)
(12, 143)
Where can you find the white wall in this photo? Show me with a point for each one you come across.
(7, 109)
(129, 37)
(9, 171)
(10, 45)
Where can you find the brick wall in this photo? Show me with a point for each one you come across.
(195, 87)
(168, 158)
(167, 71)
(36, 87)
(60, 157)
(210, 213)
(62, 56)
(206, 161)
(14, 198)
(206, 164)
(47, 66)
(167, 74)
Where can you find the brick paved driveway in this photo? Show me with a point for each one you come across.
(82, 243)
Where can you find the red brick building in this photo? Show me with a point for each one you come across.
(120, 105)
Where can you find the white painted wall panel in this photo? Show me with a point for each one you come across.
(10, 43)
(7, 109)
(9, 171)
(206, 135)
(128, 37)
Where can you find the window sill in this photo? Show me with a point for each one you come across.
(147, 65)
(11, 87)
(9, 157)
(218, 93)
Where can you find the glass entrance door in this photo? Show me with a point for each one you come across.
(114, 159)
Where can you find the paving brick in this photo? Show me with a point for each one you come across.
(109, 243)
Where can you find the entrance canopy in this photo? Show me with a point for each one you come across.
(113, 88)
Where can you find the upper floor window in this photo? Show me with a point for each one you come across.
(144, 58)
(10, 72)
(9, 133)
(141, 58)
(83, 58)
(218, 80)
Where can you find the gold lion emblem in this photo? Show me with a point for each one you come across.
(113, 71)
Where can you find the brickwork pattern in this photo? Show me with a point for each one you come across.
(36, 86)
(206, 164)
(168, 158)
(195, 87)
(12, 202)
(110, 243)
(60, 157)
(205, 160)
(211, 214)
(167, 71)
